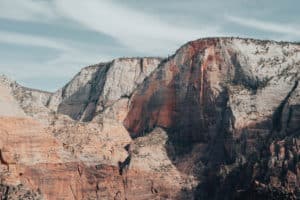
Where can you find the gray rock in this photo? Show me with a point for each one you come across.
(97, 87)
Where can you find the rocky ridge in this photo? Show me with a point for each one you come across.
(219, 117)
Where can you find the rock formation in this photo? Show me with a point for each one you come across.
(219, 119)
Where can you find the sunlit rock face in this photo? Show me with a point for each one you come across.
(219, 119)
(237, 99)
(96, 88)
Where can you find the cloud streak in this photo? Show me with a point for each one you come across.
(28, 10)
(99, 30)
(265, 26)
(132, 28)
(31, 40)
(65, 63)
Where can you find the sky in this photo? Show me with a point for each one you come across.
(44, 43)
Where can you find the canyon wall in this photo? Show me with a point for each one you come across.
(219, 119)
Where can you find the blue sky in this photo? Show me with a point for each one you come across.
(43, 43)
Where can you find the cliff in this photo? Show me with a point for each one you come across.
(217, 120)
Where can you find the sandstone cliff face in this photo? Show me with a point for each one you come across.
(50, 153)
(9, 105)
(217, 120)
(238, 98)
(98, 87)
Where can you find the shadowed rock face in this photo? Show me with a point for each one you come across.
(236, 97)
(217, 120)
(98, 87)
(184, 95)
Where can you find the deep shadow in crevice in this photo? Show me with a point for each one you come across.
(82, 104)
(232, 165)
(251, 178)
(199, 116)
(278, 112)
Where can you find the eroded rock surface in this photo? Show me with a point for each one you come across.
(217, 120)
(98, 87)
(236, 99)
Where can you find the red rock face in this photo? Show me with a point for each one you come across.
(34, 164)
(75, 181)
(201, 96)
(180, 96)
(218, 120)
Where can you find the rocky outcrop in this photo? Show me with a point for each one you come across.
(18, 192)
(17, 100)
(235, 97)
(217, 120)
(47, 151)
(98, 87)
(9, 105)
(103, 89)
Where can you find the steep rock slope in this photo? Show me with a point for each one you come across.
(9, 106)
(48, 155)
(21, 100)
(36, 165)
(217, 120)
(235, 103)
(99, 87)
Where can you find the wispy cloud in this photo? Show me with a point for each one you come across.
(62, 67)
(67, 60)
(67, 54)
(138, 31)
(150, 28)
(288, 29)
(31, 40)
(29, 10)
(133, 28)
